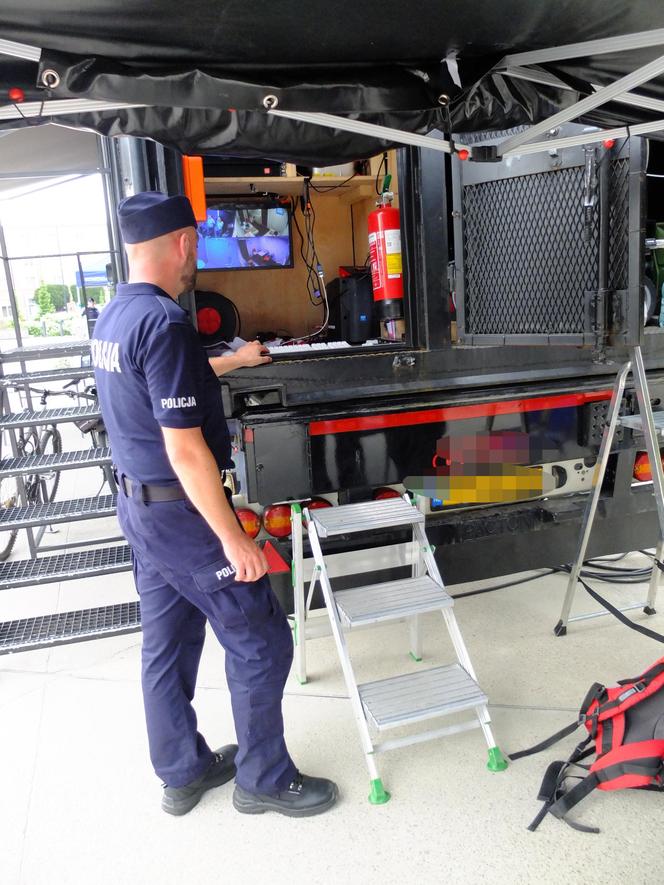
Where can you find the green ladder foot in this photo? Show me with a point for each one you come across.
(378, 794)
(301, 681)
(497, 761)
(414, 657)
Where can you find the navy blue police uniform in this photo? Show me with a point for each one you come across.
(152, 372)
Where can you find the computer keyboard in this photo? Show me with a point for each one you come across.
(315, 348)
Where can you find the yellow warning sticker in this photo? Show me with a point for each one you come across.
(394, 268)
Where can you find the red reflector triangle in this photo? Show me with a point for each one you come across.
(276, 562)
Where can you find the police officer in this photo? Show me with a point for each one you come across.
(90, 312)
(192, 562)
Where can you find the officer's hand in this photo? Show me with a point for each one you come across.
(247, 558)
(253, 353)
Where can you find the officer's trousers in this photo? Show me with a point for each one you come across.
(183, 579)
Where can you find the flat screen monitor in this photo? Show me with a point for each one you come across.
(249, 235)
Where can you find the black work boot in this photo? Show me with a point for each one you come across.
(305, 797)
(180, 800)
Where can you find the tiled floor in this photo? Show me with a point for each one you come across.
(80, 804)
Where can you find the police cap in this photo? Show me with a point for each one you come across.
(149, 215)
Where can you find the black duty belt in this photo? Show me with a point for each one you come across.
(151, 494)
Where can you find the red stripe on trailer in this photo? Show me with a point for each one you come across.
(454, 413)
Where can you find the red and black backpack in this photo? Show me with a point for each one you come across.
(625, 729)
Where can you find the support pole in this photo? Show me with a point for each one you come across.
(646, 424)
(654, 580)
(649, 433)
(300, 625)
(591, 507)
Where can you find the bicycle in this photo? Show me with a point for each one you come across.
(42, 487)
(36, 487)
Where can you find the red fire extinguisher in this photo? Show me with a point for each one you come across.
(385, 254)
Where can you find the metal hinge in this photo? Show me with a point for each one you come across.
(596, 312)
(617, 310)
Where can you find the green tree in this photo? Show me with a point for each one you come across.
(44, 300)
(57, 292)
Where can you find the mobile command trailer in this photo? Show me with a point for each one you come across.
(343, 423)
(351, 422)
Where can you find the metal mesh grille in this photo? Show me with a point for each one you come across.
(71, 626)
(619, 224)
(29, 418)
(58, 511)
(527, 268)
(59, 461)
(64, 566)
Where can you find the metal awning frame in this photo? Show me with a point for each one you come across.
(524, 66)
(518, 66)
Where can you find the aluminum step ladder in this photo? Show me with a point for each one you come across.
(651, 425)
(405, 699)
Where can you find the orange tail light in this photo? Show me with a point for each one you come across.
(251, 522)
(276, 520)
(642, 471)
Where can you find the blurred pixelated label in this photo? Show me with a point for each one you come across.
(483, 468)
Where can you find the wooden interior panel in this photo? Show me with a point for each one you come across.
(277, 300)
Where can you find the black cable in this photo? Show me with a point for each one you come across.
(609, 558)
(314, 282)
(637, 576)
(328, 190)
(624, 576)
(305, 257)
(608, 568)
(504, 586)
(383, 162)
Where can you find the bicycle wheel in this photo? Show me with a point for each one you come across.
(8, 499)
(44, 487)
(9, 495)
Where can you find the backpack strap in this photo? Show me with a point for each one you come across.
(552, 792)
(565, 802)
(651, 634)
(646, 678)
(549, 742)
(641, 768)
(634, 691)
(595, 693)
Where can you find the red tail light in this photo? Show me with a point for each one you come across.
(386, 492)
(317, 503)
(276, 520)
(251, 522)
(642, 470)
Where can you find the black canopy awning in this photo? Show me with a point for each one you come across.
(201, 71)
